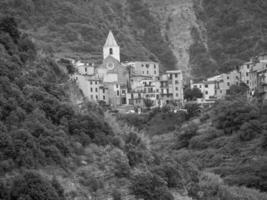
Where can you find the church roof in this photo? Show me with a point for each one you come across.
(111, 42)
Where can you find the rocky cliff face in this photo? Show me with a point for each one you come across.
(177, 18)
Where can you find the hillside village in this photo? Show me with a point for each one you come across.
(56, 145)
(140, 84)
(136, 83)
(252, 74)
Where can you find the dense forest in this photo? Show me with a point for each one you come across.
(232, 33)
(79, 28)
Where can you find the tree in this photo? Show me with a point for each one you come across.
(193, 110)
(150, 187)
(192, 94)
(240, 89)
(32, 186)
(148, 103)
(9, 25)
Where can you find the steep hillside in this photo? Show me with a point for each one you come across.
(176, 17)
(53, 146)
(79, 28)
(234, 30)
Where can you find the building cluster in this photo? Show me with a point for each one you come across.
(127, 83)
(253, 74)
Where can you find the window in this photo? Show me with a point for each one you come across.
(206, 92)
(247, 66)
(91, 89)
(155, 72)
(177, 95)
(246, 73)
(117, 86)
(171, 76)
(142, 65)
(110, 51)
(103, 90)
(92, 97)
(176, 89)
(147, 65)
(176, 75)
(143, 72)
(91, 82)
(85, 69)
(96, 90)
(228, 84)
(96, 96)
(104, 97)
(118, 93)
(176, 82)
(227, 77)
(206, 86)
(96, 82)
(147, 72)
(200, 86)
(247, 82)
(155, 66)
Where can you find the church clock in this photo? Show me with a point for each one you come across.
(110, 65)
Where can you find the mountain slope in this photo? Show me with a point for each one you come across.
(79, 28)
(176, 19)
(234, 31)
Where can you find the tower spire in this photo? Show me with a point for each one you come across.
(111, 47)
(111, 42)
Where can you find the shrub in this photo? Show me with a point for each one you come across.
(170, 173)
(134, 149)
(32, 186)
(231, 115)
(116, 195)
(249, 130)
(90, 180)
(193, 110)
(240, 193)
(150, 187)
(3, 191)
(187, 133)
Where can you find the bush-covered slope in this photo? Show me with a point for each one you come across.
(229, 141)
(80, 27)
(52, 149)
(234, 31)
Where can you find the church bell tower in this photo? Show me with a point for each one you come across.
(111, 48)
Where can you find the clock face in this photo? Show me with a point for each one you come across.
(110, 66)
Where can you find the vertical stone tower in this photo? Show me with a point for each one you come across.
(111, 48)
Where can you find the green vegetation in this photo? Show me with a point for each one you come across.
(38, 123)
(236, 31)
(156, 122)
(229, 142)
(192, 94)
(150, 34)
(79, 28)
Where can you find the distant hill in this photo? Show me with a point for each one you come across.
(230, 33)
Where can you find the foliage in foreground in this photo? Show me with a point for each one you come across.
(234, 132)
